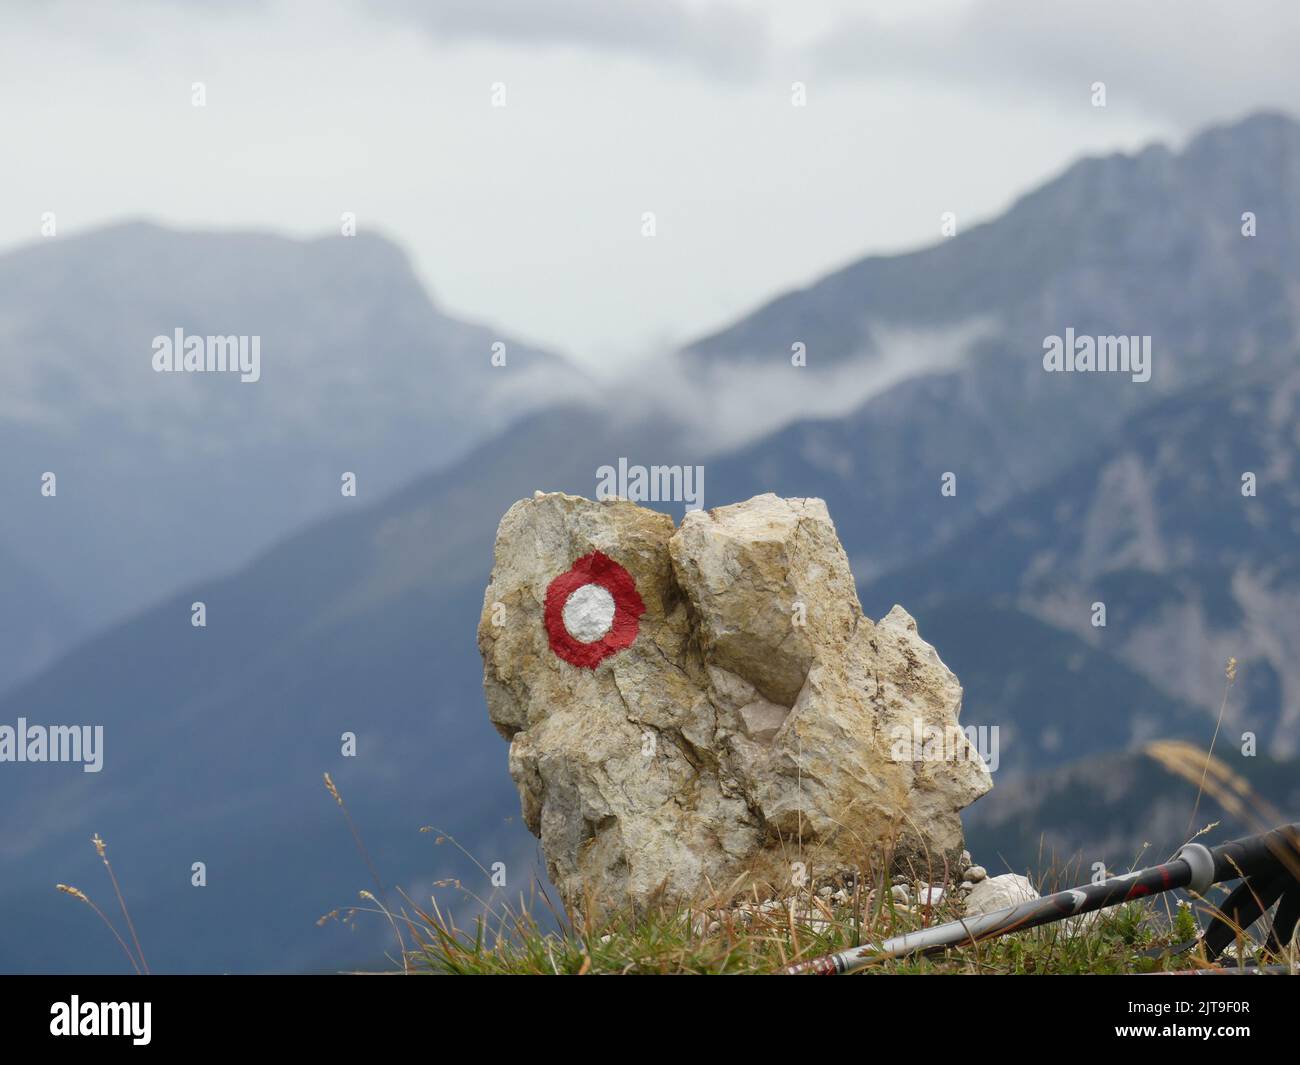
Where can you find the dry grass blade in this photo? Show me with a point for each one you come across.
(102, 849)
(1232, 791)
(77, 893)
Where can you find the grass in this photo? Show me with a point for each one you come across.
(751, 935)
(1133, 938)
(727, 935)
(537, 938)
(719, 936)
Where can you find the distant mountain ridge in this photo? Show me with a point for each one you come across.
(1120, 212)
(164, 477)
(216, 738)
(1149, 244)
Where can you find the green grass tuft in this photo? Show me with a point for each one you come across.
(684, 941)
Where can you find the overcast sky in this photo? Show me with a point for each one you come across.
(529, 216)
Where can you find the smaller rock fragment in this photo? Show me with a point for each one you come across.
(999, 892)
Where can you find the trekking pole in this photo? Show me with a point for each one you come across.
(1268, 863)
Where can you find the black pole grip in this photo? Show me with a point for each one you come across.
(1279, 847)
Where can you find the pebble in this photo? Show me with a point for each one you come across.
(930, 895)
(974, 874)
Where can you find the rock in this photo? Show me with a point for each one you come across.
(929, 894)
(738, 705)
(974, 874)
(747, 574)
(998, 892)
(900, 894)
(966, 862)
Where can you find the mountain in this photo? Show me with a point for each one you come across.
(1156, 527)
(1161, 224)
(1123, 809)
(1144, 245)
(35, 620)
(165, 477)
(215, 738)
(1040, 697)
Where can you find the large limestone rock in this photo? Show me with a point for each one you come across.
(694, 709)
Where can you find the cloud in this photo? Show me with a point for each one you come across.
(730, 405)
(1184, 60)
(718, 39)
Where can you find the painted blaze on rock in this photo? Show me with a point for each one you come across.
(685, 704)
(592, 611)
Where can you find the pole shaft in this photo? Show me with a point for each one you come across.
(1231, 860)
(1062, 904)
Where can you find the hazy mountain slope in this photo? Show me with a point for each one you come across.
(1155, 526)
(216, 738)
(1119, 809)
(35, 621)
(165, 477)
(1050, 696)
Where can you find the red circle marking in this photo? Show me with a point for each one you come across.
(595, 568)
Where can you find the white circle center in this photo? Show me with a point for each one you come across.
(588, 613)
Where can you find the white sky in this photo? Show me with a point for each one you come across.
(529, 216)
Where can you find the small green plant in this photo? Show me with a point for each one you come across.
(1185, 926)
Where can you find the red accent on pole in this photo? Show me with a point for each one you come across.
(595, 568)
